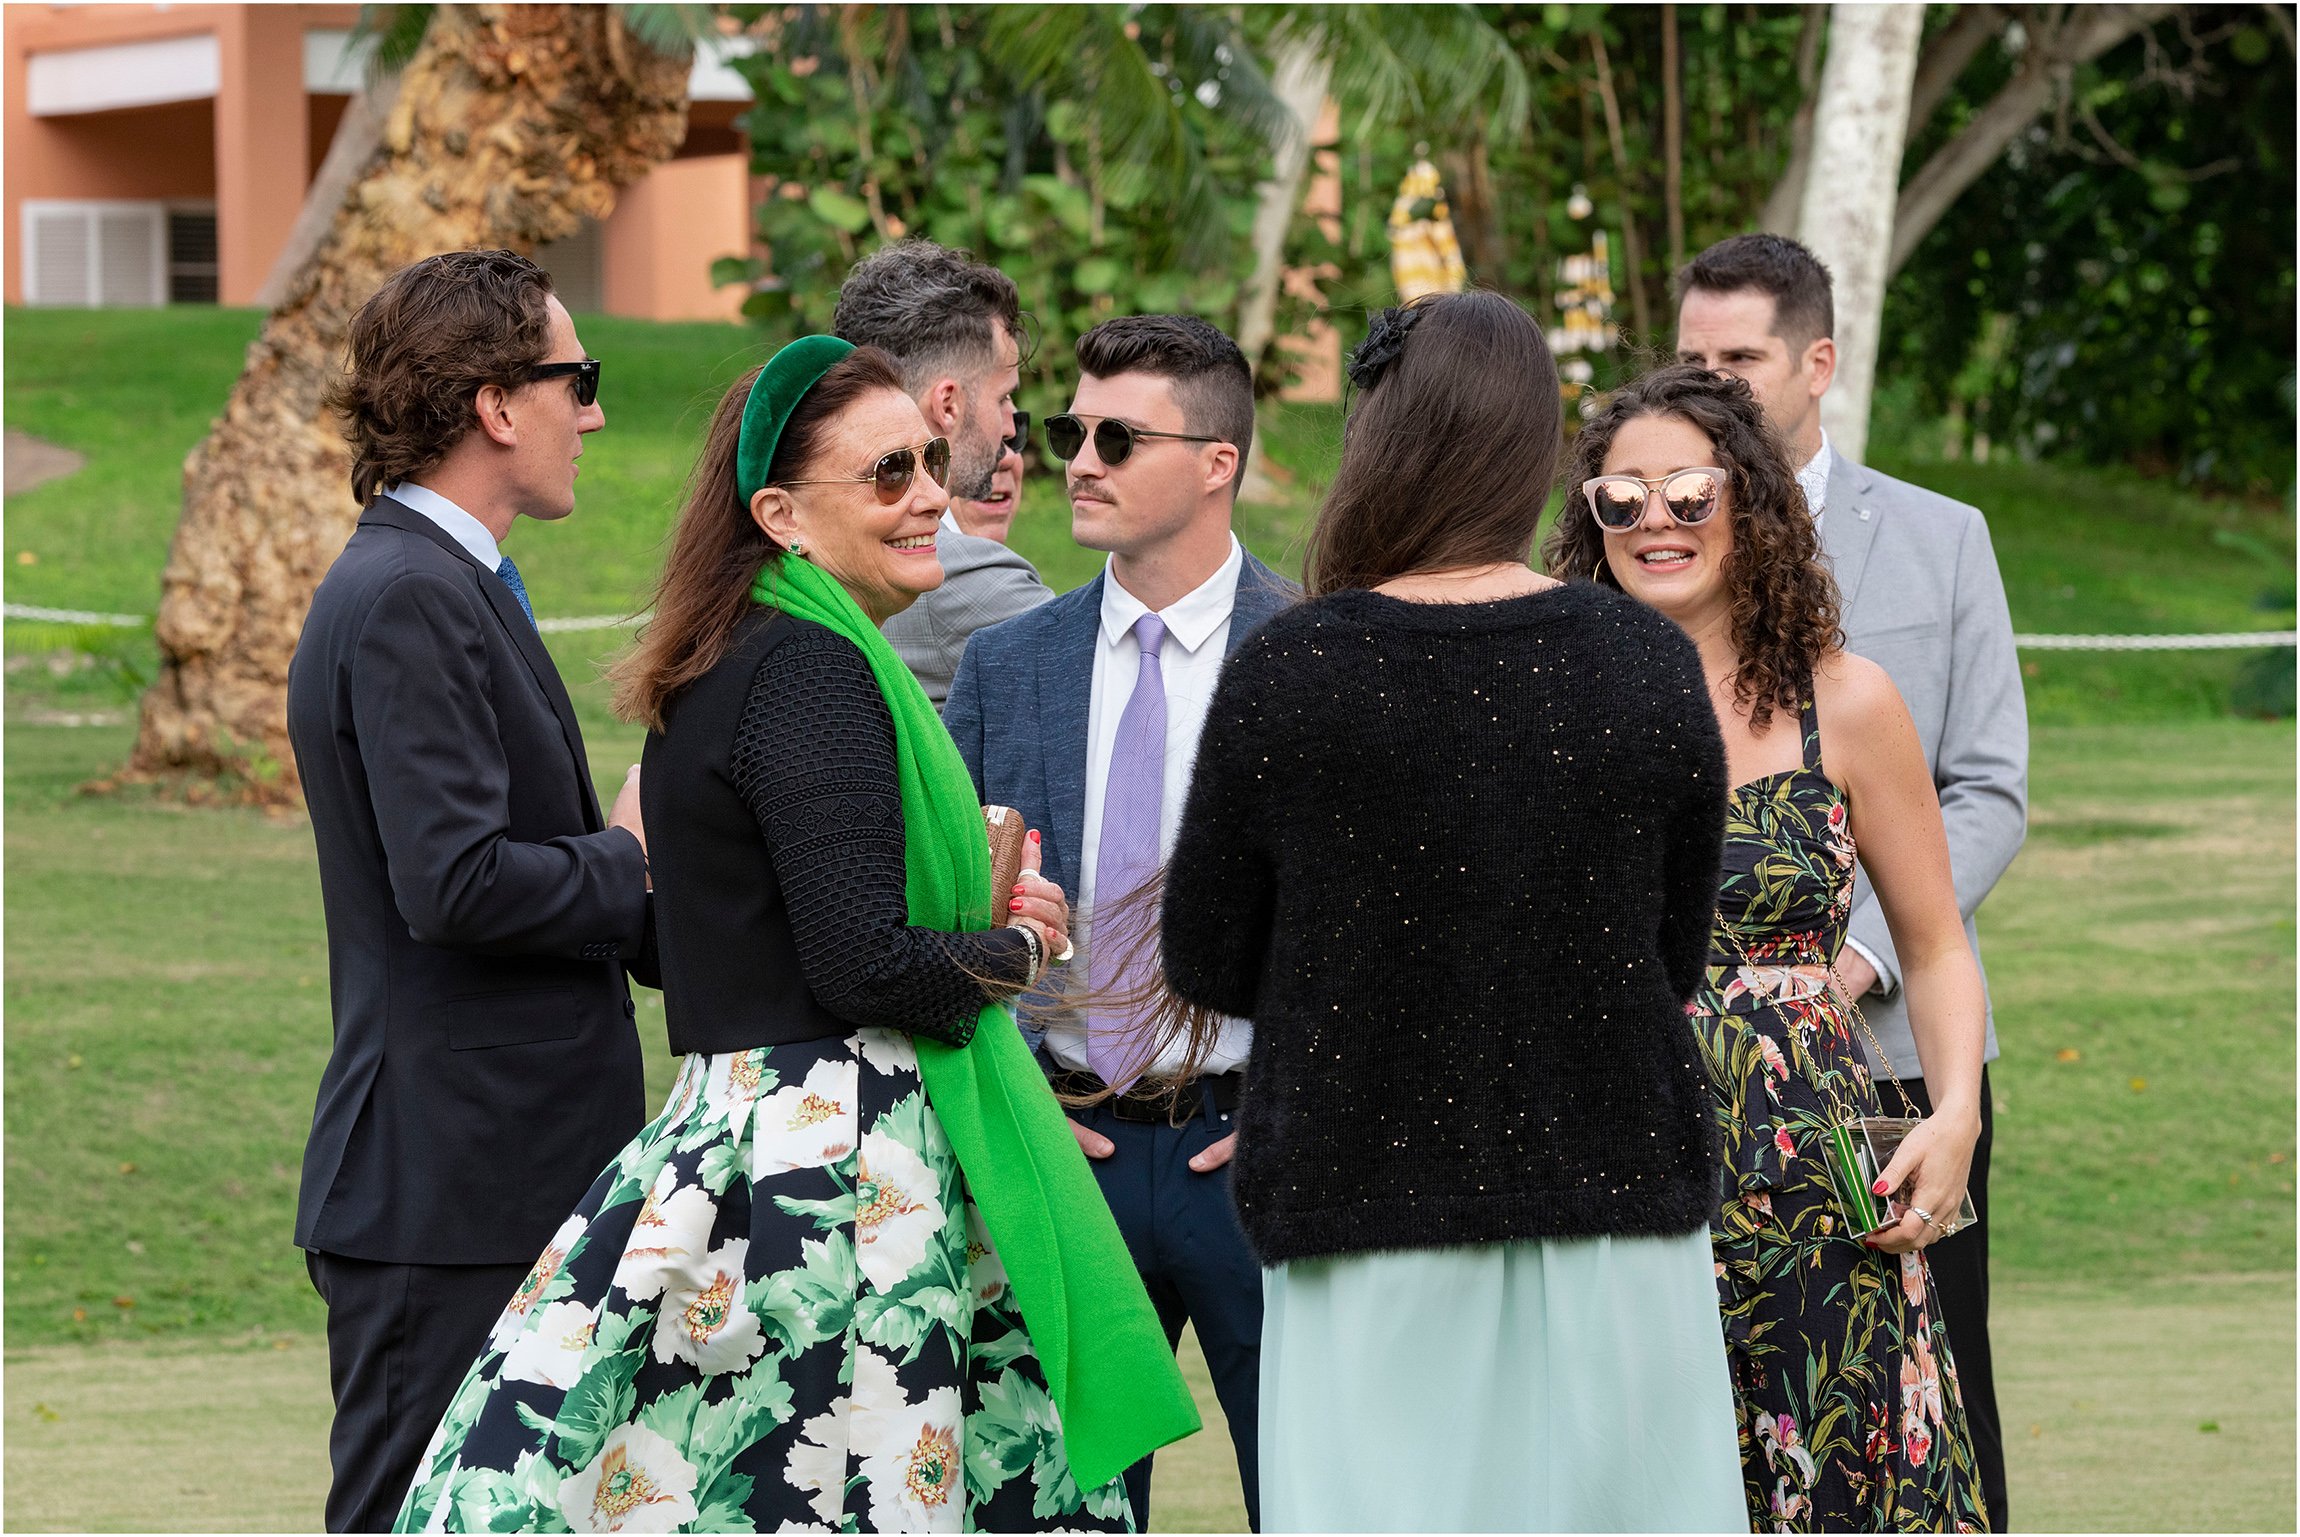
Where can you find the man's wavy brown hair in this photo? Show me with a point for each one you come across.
(423, 346)
(1785, 611)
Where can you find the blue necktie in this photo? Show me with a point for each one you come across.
(510, 575)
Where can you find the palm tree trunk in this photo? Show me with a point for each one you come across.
(512, 124)
(1860, 124)
(1468, 173)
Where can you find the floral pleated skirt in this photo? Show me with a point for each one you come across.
(777, 1309)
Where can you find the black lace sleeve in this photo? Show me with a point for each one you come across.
(814, 755)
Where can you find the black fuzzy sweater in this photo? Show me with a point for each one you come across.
(1458, 862)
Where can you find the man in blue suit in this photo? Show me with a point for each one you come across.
(1084, 715)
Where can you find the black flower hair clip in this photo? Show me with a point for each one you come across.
(1385, 339)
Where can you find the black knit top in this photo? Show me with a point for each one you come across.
(775, 839)
(1457, 862)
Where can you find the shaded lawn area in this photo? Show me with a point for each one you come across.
(2186, 1424)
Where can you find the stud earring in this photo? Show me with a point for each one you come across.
(798, 549)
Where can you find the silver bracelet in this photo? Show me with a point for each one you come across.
(1037, 954)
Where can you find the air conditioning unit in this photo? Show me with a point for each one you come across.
(93, 255)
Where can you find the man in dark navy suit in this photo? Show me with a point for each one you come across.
(480, 912)
(1084, 715)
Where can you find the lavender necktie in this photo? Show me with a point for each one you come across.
(1126, 857)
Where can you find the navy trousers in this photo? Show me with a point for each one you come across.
(1960, 1267)
(399, 1340)
(1183, 1234)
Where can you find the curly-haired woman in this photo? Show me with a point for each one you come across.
(1680, 496)
(1451, 842)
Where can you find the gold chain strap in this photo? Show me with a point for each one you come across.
(1892, 1073)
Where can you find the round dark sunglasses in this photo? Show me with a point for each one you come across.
(893, 472)
(1618, 502)
(1020, 441)
(1113, 439)
(585, 374)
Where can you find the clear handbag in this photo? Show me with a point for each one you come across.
(1860, 1147)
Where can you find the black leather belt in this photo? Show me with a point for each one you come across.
(1151, 1104)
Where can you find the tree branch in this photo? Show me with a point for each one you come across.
(1946, 56)
(1672, 137)
(1780, 212)
(2132, 162)
(1956, 165)
(1632, 248)
(2283, 25)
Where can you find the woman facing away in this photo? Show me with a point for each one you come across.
(810, 1293)
(1850, 1421)
(1452, 843)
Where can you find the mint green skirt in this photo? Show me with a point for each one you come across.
(1572, 1385)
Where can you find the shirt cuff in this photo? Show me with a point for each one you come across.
(1865, 953)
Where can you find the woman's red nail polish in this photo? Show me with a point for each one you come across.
(1014, 906)
(1879, 1188)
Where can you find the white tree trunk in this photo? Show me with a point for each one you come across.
(1860, 124)
(1301, 73)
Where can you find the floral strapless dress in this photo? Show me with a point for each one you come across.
(1849, 1414)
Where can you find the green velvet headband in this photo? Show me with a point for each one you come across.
(777, 391)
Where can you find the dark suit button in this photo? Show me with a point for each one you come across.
(630, 1009)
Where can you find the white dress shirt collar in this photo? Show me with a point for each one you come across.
(950, 521)
(457, 524)
(1191, 619)
(1814, 477)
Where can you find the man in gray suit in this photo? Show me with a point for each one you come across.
(954, 327)
(1923, 600)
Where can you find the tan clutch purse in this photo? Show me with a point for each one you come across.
(1008, 835)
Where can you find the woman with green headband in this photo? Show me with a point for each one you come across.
(856, 1275)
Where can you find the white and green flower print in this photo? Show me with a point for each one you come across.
(776, 1310)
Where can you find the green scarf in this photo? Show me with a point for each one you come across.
(1091, 1325)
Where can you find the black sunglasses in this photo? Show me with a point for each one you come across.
(893, 472)
(585, 374)
(1020, 442)
(1113, 439)
(1618, 502)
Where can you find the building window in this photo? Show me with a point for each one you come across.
(89, 254)
(192, 254)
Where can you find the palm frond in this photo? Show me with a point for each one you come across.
(392, 34)
(671, 30)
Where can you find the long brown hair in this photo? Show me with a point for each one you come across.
(1448, 457)
(719, 549)
(1784, 602)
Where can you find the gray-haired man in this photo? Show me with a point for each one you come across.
(1923, 600)
(954, 326)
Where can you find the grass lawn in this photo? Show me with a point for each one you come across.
(134, 390)
(166, 1014)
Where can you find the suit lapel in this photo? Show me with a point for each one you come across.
(1848, 526)
(1261, 593)
(1065, 705)
(523, 635)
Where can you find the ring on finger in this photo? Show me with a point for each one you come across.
(1924, 1216)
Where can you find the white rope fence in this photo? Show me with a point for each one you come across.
(2233, 640)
